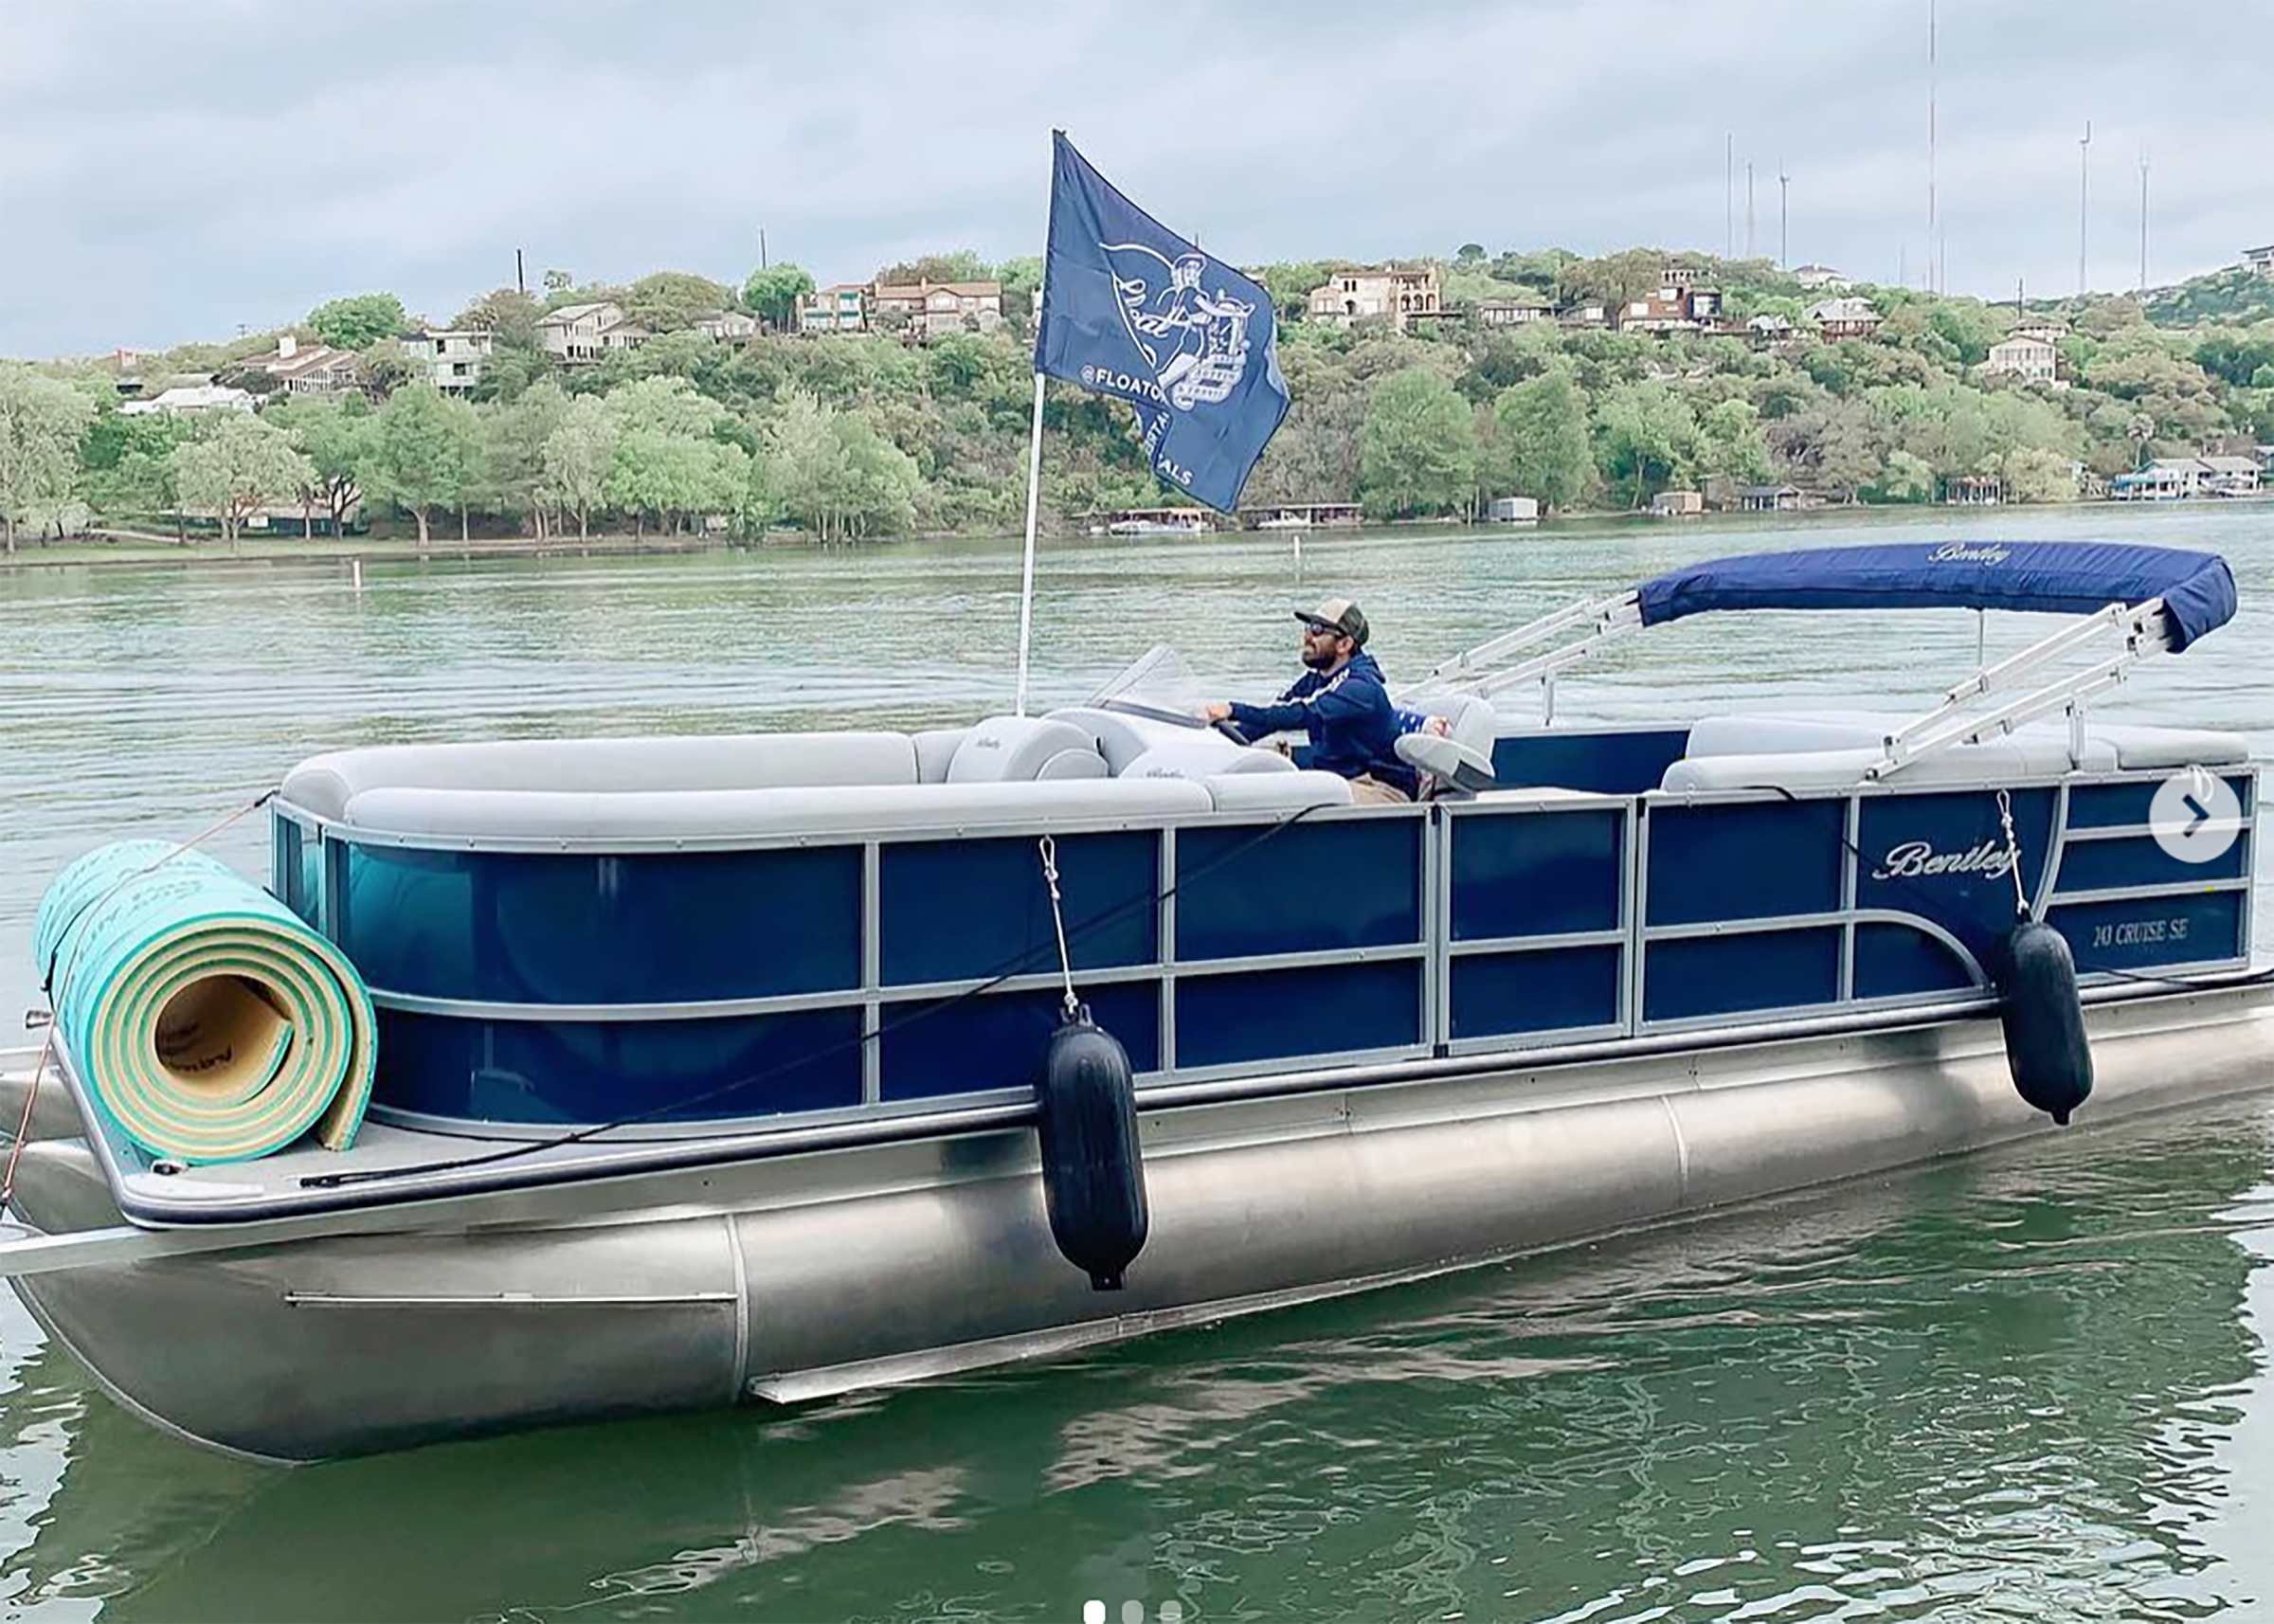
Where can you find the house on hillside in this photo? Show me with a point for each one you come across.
(310, 371)
(580, 334)
(931, 309)
(1821, 278)
(1844, 317)
(844, 308)
(1587, 313)
(1764, 331)
(191, 397)
(1676, 307)
(1397, 294)
(725, 325)
(2259, 259)
(1511, 311)
(2032, 359)
(454, 356)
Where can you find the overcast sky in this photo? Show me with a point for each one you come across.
(171, 170)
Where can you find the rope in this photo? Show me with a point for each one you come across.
(39, 1072)
(1050, 876)
(2005, 815)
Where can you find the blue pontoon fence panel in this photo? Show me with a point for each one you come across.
(539, 987)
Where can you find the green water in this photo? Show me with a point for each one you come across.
(2024, 1385)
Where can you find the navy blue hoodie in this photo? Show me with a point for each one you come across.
(1353, 727)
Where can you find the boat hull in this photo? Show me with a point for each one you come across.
(806, 1276)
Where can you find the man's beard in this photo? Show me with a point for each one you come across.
(1316, 660)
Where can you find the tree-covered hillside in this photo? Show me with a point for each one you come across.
(854, 435)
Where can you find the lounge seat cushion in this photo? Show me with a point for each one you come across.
(324, 784)
(1278, 791)
(1998, 759)
(1200, 760)
(2139, 748)
(548, 818)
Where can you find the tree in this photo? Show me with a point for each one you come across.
(386, 367)
(42, 422)
(962, 265)
(1539, 435)
(129, 465)
(360, 321)
(836, 474)
(558, 281)
(237, 466)
(335, 437)
(514, 460)
(673, 475)
(1468, 255)
(1617, 279)
(509, 315)
(669, 300)
(1419, 451)
(665, 406)
(1730, 443)
(578, 454)
(772, 293)
(1648, 439)
(425, 453)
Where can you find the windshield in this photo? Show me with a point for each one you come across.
(1157, 684)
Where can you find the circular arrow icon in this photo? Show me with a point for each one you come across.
(2195, 816)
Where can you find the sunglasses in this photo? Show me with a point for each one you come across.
(1317, 631)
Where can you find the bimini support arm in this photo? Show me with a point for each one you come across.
(2140, 630)
(1490, 667)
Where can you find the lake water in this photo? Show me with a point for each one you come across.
(2033, 1385)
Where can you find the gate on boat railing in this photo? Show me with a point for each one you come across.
(562, 986)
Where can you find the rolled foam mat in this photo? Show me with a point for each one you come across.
(209, 1024)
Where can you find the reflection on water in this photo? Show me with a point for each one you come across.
(2022, 1385)
(2026, 1385)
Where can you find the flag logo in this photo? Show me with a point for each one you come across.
(1195, 340)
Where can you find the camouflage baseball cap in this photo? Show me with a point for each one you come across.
(1337, 615)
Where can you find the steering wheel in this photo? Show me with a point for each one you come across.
(1231, 731)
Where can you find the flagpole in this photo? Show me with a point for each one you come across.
(1026, 578)
(1034, 460)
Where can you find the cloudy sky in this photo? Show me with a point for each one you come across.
(172, 170)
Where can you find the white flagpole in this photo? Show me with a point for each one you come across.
(1034, 493)
(1034, 467)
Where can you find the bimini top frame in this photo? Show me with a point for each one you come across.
(2137, 600)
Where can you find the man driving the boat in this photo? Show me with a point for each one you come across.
(1341, 702)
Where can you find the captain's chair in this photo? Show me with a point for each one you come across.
(1457, 762)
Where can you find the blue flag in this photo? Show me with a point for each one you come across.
(1131, 309)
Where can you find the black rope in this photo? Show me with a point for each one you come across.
(1148, 898)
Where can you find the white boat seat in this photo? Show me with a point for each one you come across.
(325, 784)
(1017, 750)
(550, 817)
(1990, 762)
(1124, 737)
(2139, 748)
(1203, 759)
(935, 747)
(2036, 749)
(1460, 759)
(1277, 791)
